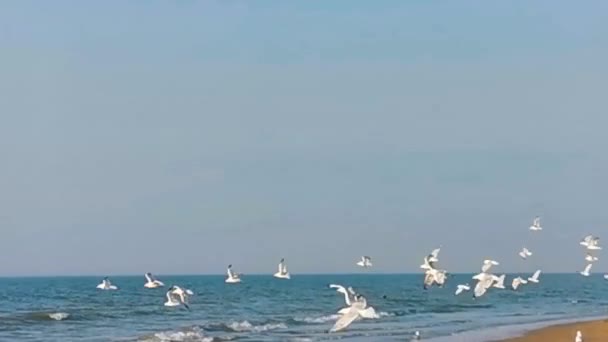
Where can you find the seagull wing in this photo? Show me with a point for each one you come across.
(345, 320)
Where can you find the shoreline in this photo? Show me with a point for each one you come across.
(592, 330)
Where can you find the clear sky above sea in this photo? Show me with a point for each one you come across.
(180, 136)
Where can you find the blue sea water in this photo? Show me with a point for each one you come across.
(263, 308)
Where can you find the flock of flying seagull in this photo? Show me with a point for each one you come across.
(356, 303)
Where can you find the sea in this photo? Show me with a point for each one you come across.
(263, 308)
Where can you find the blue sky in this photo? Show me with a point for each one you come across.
(241, 132)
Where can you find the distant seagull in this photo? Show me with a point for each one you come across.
(590, 258)
(591, 242)
(106, 284)
(416, 336)
(357, 309)
(499, 282)
(461, 288)
(525, 253)
(536, 224)
(534, 278)
(282, 273)
(487, 264)
(233, 277)
(606, 276)
(365, 262)
(579, 336)
(518, 281)
(431, 259)
(178, 296)
(585, 272)
(151, 282)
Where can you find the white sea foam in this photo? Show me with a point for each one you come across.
(59, 316)
(318, 320)
(187, 335)
(246, 326)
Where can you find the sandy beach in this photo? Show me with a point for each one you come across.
(593, 331)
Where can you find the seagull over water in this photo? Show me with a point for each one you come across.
(487, 264)
(177, 296)
(282, 273)
(585, 272)
(365, 262)
(518, 281)
(461, 288)
(357, 309)
(106, 284)
(151, 282)
(534, 278)
(590, 258)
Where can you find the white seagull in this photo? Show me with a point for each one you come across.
(178, 296)
(487, 264)
(233, 277)
(590, 258)
(151, 282)
(461, 288)
(534, 278)
(282, 273)
(350, 298)
(525, 253)
(585, 272)
(106, 285)
(499, 282)
(365, 262)
(518, 281)
(434, 276)
(536, 224)
(591, 242)
(357, 309)
(579, 336)
(484, 282)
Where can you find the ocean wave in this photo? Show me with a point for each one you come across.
(192, 334)
(317, 320)
(37, 316)
(246, 326)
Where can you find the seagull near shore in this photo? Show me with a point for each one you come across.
(233, 277)
(579, 336)
(282, 273)
(357, 309)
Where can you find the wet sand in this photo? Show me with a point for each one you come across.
(593, 331)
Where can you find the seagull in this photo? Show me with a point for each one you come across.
(282, 273)
(536, 224)
(106, 285)
(233, 277)
(349, 296)
(487, 264)
(590, 258)
(178, 296)
(525, 253)
(518, 281)
(484, 282)
(365, 262)
(461, 288)
(434, 276)
(152, 283)
(357, 309)
(579, 336)
(416, 335)
(585, 272)
(499, 282)
(431, 259)
(534, 278)
(591, 242)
